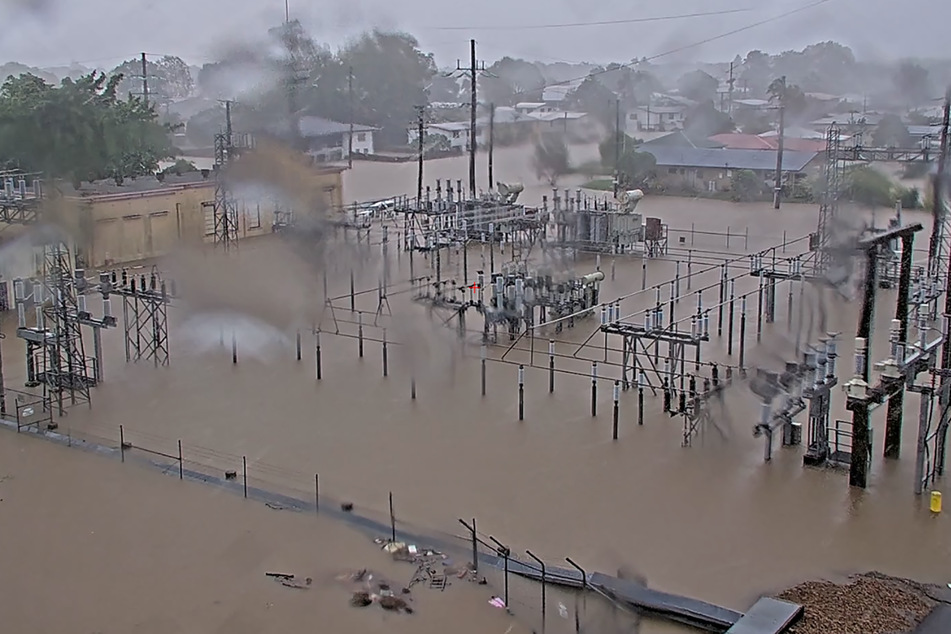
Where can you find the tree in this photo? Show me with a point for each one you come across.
(80, 130)
(756, 72)
(551, 159)
(871, 188)
(169, 78)
(390, 75)
(913, 82)
(636, 169)
(510, 80)
(608, 148)
(597, 100)
(704, 120)
(745, 186)
(891, 132)
(698, 86)
(788, 96)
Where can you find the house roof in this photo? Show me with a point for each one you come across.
(795, 132)
(449, 126)
(731, 159)
(924, 130)
(742, 142)
(523, 105)
(662, 109)
(752, 103)
(557, 116)
(680, 139)
(760, 142)
(311, 126)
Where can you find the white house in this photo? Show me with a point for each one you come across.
(655, 118)
(533, 107)
(329, 140)
(456, 132)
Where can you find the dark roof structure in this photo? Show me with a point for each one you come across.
(729, 159)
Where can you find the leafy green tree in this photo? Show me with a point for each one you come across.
(745, 186)
(891, 132)
(390, 76)
(636, 169)
(169, 78)
(551, 159)
(871, 188)
(597, 100)
(509, 81)
(608, 148)
(80, 130)
(913, 82)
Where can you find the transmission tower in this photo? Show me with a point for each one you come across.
(829, 205)
(145, 301)
(473, 70)
(225, 210)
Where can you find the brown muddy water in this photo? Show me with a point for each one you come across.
(710, 521)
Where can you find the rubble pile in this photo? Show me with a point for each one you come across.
(870, 603)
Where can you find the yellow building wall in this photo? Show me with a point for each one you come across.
(123, 228)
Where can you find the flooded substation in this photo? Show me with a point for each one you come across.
(661, 385)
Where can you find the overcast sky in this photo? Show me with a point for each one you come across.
(102, 32)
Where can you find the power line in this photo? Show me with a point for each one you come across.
(565, 25)
(682, 48)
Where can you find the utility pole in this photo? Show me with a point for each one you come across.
(617, 145)
(730, 99)
(145, 81)
(473, 70)
(287, 11)
(350, 100)
(420, 131)
(491, 143)
(778, 190)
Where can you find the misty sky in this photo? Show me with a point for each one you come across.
(103, 32)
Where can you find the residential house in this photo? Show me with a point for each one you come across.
(556, 95)
(455, 132)
(575, 124)
(328, 140)
(655, 119)
(534, 107)
(712, 169)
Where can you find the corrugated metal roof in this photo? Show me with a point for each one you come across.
(318, 126)
(731, 159)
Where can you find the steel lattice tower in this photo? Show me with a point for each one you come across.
(225, 210)
(829, 205)
(63, 367)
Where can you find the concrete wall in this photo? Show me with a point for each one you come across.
(127, 227)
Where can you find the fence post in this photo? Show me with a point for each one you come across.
(316, 492)
(594, 388)
(298, 345)
(521, 392)
(544, 583)
(392, 519)
(181, 462)
(617, 407)
(121, 442)
(244, 469)
(317, 352)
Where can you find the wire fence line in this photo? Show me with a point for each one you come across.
(284, 488)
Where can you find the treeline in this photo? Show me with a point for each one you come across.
(81, 130)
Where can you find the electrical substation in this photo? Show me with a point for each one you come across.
(525, 279)
(687, 341)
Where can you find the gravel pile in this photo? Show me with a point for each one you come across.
(871, 603)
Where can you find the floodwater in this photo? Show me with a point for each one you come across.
(98, 546)
(711, 520)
